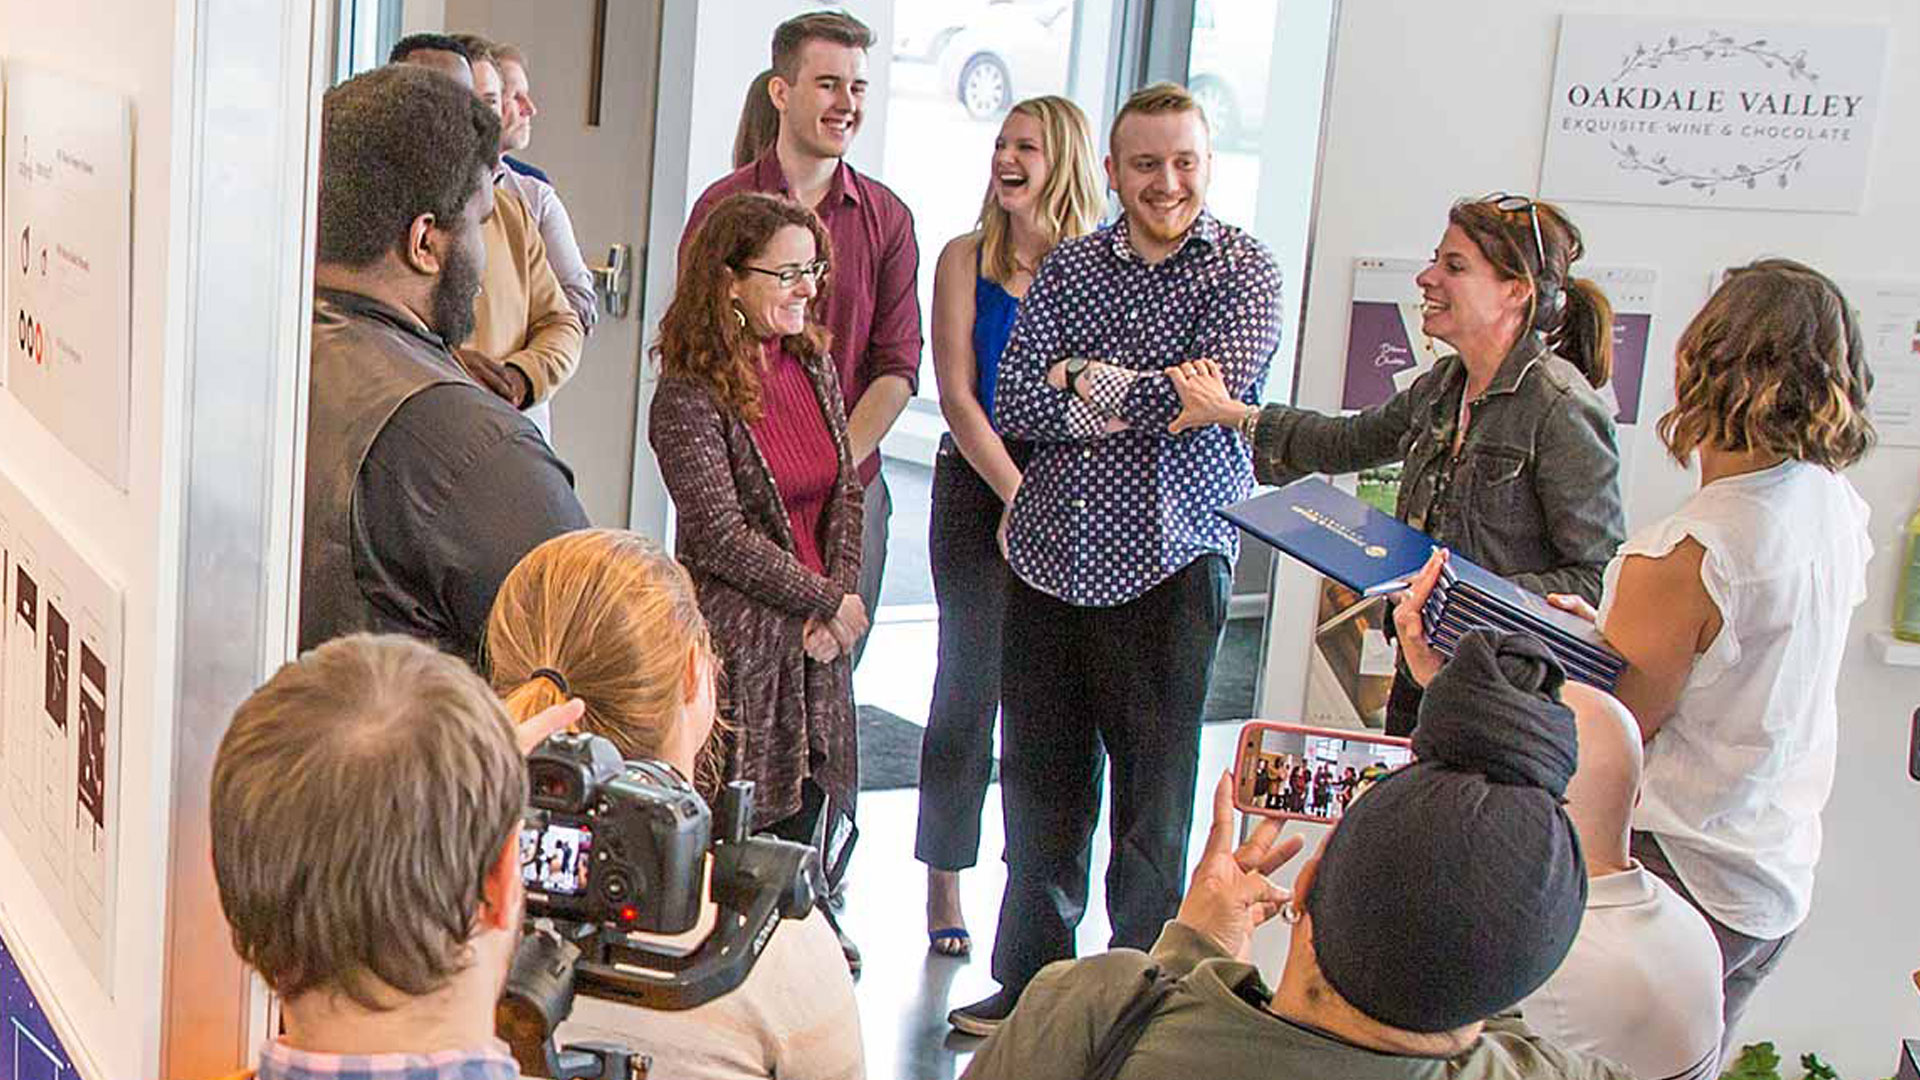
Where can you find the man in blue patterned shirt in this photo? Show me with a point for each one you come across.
(1122, 568)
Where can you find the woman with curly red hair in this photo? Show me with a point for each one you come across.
(750, 434)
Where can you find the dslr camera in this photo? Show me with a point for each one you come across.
(610, 849)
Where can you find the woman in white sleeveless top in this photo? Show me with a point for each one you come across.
(1732, 613)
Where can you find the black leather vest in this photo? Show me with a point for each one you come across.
(367, 361)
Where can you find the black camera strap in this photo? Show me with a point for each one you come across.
(1131, 1024)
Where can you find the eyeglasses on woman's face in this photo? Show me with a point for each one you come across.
(789, 276)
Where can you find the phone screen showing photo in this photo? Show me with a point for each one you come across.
(1310, 774)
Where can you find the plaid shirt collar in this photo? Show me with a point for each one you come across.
(282, 1062)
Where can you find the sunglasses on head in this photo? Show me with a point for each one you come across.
(1513, 204)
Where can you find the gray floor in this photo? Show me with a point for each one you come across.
(905, 991)
(909, 579)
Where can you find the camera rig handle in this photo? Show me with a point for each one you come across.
(539, 998)
(757, 882)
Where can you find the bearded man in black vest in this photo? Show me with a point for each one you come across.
(423, 488)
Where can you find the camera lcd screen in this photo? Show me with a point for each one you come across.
(553, 858)
(1314, 776)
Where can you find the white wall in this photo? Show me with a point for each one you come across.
(136, 47)
(1432, 101)
(1289, 142)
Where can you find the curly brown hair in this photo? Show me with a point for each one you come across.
(1775, 363)
(1572, 314)
(703, 337)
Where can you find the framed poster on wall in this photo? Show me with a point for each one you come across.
(69, 257)
(1730, 113)
(1387, 351)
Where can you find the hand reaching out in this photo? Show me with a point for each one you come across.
(1576, 604)
(535, 729)
(1230, 893)
(1203, 396)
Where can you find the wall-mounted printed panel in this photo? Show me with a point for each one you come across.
(1725, 113)
(60, 659)
(1889, 316)
(68, 258)
(29, 1047)
(1387, 349)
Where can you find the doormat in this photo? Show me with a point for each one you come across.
(890, 744)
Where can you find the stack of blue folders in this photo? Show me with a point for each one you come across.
(1374, 553)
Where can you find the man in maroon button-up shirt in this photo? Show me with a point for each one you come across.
(819, 85)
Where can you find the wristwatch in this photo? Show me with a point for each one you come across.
(1076, 369)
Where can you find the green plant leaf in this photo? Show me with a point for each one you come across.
(1756, 1061)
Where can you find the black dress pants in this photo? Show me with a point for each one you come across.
(970, 580)
(1081, 685)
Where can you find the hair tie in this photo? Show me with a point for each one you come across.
(553, 677)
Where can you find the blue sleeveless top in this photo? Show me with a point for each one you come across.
(993, 312)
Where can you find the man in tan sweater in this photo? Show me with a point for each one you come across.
(526, 337)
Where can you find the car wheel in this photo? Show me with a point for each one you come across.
(1223, 115)
(985, 87)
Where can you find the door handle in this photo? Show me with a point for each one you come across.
(613, 283)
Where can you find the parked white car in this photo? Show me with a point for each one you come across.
(1232, 49)
(1006, 52)
(1011, 49)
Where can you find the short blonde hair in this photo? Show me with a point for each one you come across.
(613, 615)
(1153, 100)
(359, 801)
(1070, 201)
(1774, 363)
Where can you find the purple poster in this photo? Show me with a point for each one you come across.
(1630, 334)
(1377, 347)
(29, 1050)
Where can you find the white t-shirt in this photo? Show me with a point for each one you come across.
(1737, 776)
(1641, 984)
(794, 1017)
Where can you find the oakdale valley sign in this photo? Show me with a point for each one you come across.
(1744, 115)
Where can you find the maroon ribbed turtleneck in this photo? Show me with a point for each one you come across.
(792, 435)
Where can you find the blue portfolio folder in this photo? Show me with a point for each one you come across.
(1374, 553)
(1336, 534)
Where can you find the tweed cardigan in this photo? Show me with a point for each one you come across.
(791, 718)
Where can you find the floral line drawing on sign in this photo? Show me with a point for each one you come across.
(1781, 168)
(1723, 113)
(1715, 46)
